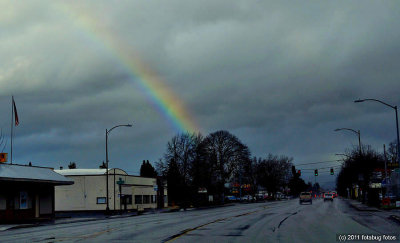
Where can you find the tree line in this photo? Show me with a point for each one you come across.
(193, 163)
(361, 169)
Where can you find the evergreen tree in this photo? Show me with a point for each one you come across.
(72, 165)
(147, 170)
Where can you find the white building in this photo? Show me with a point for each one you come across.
(125, 192)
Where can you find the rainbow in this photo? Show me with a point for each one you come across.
(160, 96)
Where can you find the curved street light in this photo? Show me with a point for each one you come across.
(397, 122)
(107, 132)
(352, 130)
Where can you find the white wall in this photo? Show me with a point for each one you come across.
(83, 193)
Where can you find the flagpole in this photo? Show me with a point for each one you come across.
(12, 121)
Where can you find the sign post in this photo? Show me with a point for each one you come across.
(120, 182)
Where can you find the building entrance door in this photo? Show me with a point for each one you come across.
(10, 208)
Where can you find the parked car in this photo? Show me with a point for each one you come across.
(231, 199)
(247, 198)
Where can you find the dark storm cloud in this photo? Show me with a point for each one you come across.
(281, 75)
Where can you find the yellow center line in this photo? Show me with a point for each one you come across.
(81, 236)
(212, 222)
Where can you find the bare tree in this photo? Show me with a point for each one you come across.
(225, 153)
(183, 150)
(274, 172)
(392, 152)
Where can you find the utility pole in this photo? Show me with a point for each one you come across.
(384, 155)
(240, 183)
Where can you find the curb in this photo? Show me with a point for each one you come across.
(395, 218)
(102, 218)
(67, 222)
(366, 209)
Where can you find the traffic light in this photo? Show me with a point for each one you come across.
(299, 172)
(316, 172)
(332, 171)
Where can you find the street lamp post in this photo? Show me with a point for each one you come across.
(352, 130)
(107, 132)
(397, 122)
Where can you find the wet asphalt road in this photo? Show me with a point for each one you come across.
(282, 221)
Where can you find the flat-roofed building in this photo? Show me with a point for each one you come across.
(126, 192)
(27, 192)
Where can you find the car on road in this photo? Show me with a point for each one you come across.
(305, 197)
(247, 198)
(328, 196)
(231, 199)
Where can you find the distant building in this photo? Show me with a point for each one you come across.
(126, 192)
(27, 192)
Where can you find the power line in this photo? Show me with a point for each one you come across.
(319, 162)
(324, 168)
(324, 171)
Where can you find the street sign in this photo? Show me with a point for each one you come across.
(385, 181)
(120, 181)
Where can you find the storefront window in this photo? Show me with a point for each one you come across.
(23, 200)
(138, 199)
(146, 199)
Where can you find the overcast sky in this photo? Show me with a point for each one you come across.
(279, 75)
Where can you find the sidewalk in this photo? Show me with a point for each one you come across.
(86, 217)
(76, 219)
(393, 214)
(361, 207)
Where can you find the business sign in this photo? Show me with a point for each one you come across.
(202, 190)
(375, 185)
(3, 157)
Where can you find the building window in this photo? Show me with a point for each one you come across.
(153, 198)
(146, 199)
(101, 200)
(165, 199)
(138, 199)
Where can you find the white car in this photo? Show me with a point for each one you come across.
(247, 198)
(328, 196)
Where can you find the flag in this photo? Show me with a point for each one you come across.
(15, 112)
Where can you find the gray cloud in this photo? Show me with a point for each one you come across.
(280, 75)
